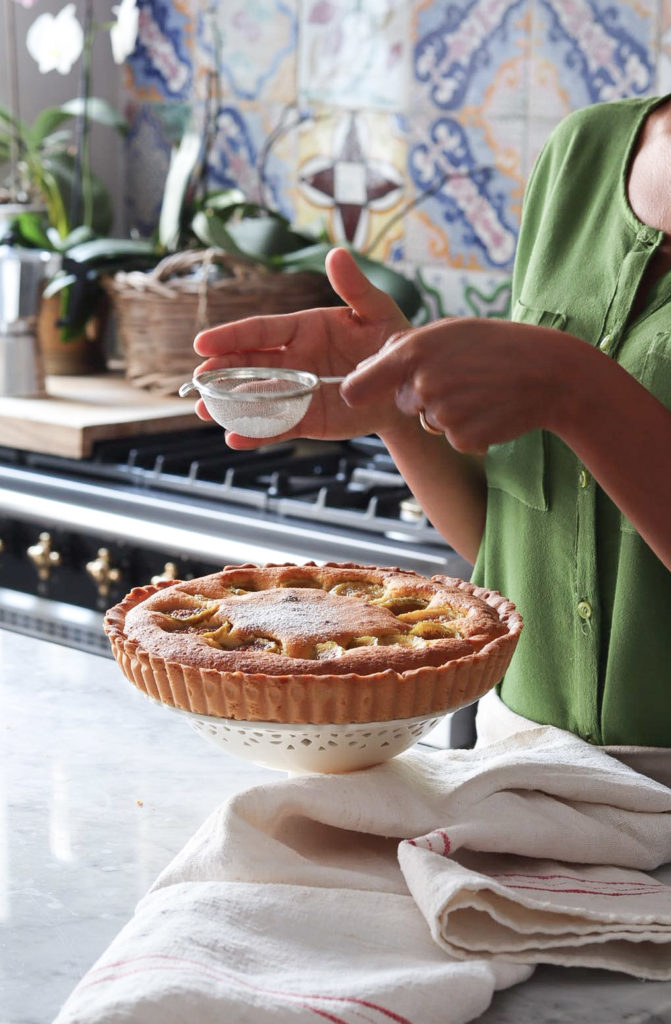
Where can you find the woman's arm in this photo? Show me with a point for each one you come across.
(488, 381)
(449, 485)
(622, 434)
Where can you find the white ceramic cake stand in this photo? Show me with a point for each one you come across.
(311, 748)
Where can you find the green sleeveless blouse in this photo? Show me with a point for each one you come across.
(595, 654)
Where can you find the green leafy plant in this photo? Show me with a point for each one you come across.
(252, 232)
(48, 172)
(63, 206)
(47, 169)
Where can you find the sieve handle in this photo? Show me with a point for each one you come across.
(331, 380)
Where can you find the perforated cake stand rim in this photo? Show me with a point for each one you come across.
(296, 747)
(250, 725)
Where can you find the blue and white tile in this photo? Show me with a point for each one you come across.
(448, 292)
(467, 199)
(351, 174)
(663, 61)
(458, 50)
(354, 55)
(154, 128)
(253, 44)
(601, 51)
(162, 63)
(243, 158)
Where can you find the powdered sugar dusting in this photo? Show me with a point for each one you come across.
(271, 406)
(307, 615)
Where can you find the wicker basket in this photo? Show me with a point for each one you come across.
(158, 313)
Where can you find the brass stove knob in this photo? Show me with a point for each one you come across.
(42, 557)
(170, 572)
(102, 573)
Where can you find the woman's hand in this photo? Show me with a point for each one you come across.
(478, 381)
(329, 342)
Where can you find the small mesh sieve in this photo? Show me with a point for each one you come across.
(256, 401)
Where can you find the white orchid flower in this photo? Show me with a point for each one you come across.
(123, 33)
(56, 42)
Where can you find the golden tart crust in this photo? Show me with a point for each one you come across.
(314, 643)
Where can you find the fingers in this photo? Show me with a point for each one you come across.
(243, 443)
(266, 333)
(380, 374)
(354, 288)
(257, 333)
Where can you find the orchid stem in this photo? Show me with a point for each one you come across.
(81, 190)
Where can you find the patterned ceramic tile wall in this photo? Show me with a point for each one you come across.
(406, 127)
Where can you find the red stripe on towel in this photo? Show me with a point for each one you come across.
(218, 974)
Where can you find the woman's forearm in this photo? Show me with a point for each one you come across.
(449, 486)
(622, 434)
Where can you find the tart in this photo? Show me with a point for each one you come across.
(310, 643)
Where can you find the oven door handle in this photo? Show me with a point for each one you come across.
(155, 535)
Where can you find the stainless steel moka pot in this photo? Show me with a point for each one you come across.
(22, 274)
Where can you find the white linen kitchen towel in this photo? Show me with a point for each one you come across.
(409, 892)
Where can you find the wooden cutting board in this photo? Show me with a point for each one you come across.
(78, 411)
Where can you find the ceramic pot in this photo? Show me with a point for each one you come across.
(82, 355)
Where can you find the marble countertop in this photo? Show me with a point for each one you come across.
(94, 803)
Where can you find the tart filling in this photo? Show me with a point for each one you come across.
(353, 630)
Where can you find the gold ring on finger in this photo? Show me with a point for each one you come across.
(427, 426)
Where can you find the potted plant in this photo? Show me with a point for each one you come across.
(72, 308)
(57, 202)
(250, 231)
(220, 257)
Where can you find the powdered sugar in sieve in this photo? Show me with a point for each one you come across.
(256, 401)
